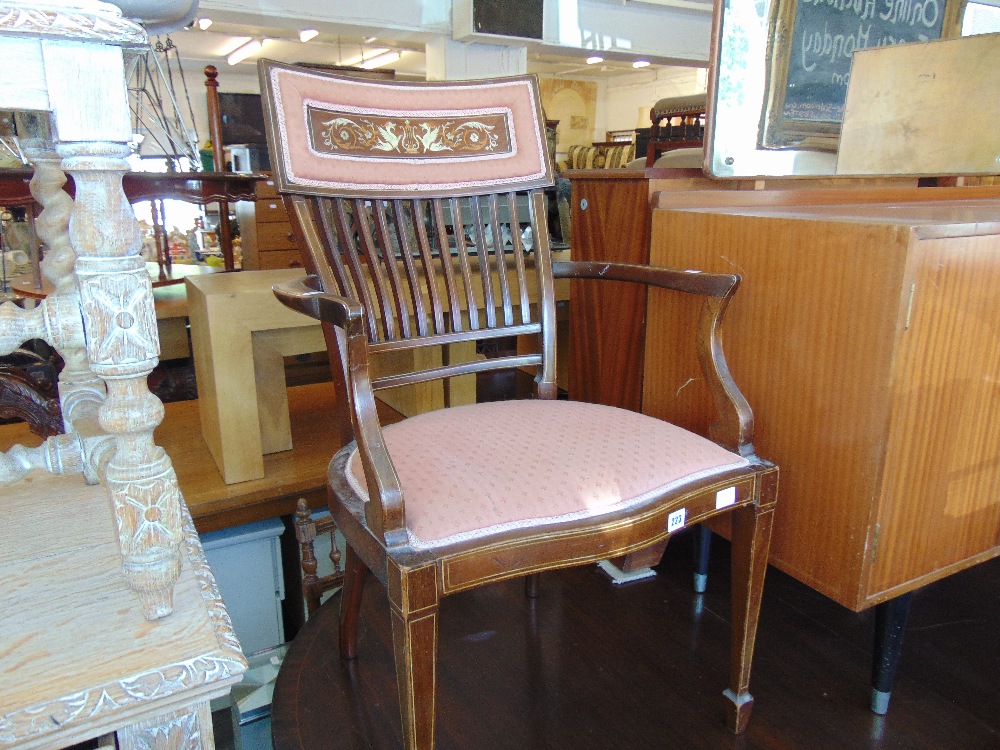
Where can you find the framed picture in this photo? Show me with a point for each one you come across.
(811, 44)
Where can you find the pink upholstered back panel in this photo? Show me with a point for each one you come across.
(339, 135)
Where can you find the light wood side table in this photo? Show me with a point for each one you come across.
(240, 334)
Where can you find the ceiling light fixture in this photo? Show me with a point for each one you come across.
(358, 59)
(640, 64)
(379, 60)
(204, 23)
(594, 60)
(306, 34)
(242, 53)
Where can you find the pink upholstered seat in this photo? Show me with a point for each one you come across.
(556, 461)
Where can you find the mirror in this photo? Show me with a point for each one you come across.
(780, 72)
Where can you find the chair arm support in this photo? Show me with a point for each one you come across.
(305, 296)
(734, 428)
(385, 517)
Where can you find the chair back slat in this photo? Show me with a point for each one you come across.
(462, 251)
(419, 217)
(522, 283)
(375, 262)
(483, 259)
(324, 212)
(406, 254)
(499, 246)
(447, 265)
(412, 264)
(362, 292)
(400, 290)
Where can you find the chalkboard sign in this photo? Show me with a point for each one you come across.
(809, 59)
(513, 18)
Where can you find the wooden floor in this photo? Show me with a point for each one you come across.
(591, 665)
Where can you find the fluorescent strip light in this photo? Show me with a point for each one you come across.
(594, 60)
(379, 60)
(204, 23)
(306, 34)
(640, 64)
(242, 53)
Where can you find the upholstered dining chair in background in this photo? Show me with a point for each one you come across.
(411, 201)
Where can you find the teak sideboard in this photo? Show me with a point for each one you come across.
(872, 370)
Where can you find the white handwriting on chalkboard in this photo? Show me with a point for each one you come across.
(822, 45)
(863, 8)
(911, 13)
(903, 12)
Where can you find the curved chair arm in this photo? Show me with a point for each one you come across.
(734, 430)
(385, 517)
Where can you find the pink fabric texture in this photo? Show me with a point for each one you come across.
(473, 470)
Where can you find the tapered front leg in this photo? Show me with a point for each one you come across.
(413, 598)
(751, 540)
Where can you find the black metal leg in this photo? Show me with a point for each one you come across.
(890, 623)
(702, 550)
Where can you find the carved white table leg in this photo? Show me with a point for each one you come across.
(181, 730)
(57, 321)
(81, 391)
(123, 347)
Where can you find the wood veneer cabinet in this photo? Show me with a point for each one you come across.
(867, 339)
(610, 220)
(266, 235)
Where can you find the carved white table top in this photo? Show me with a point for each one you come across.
(78, 658)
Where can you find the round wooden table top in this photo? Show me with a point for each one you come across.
(593, 666)
(585, 665)
(25, 285)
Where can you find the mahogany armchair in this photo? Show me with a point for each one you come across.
(405, 196)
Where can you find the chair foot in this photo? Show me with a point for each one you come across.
(738, 710)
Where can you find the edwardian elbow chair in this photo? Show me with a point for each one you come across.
(405, 197)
